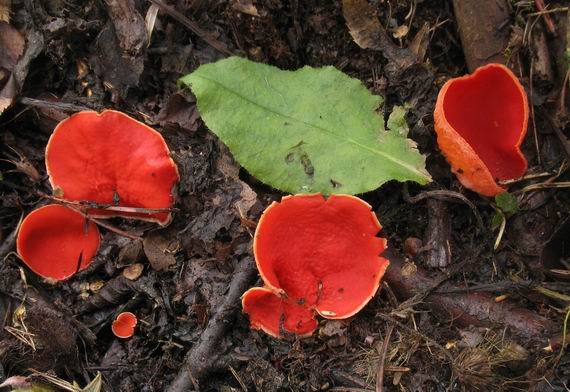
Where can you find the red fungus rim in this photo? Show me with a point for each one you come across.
(456, 148)
(262, 326)
(315, 308)
(281, 292)
(253, 325)
(110, 213)
(31, 226)
(124, 320)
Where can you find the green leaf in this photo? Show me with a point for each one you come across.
(496, 221)
(310, 130)
(507, 203)
(34, 388)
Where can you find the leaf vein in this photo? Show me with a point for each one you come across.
(325, 130)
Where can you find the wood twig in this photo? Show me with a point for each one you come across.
(86, 204)
(82, 207)
(541, 7)
(426, 338)
(204, 354)
(193, 26)
(62, 106)
(444, 195)
(380, 371)
(478, 308)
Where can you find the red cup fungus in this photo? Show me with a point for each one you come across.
(314, 255)
(56, 242)
(112, 159)
(481, 121)
(124, 325)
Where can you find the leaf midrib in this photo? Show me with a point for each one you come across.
(325, 130)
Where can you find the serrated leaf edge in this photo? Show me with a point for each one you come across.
(423, 174)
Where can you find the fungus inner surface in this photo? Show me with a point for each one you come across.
(110, 158)
(324, 254)
(269, 312)
(124, 325)
(488, 110)
(56, 242)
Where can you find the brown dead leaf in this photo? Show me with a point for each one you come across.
(159, 251)
(5, 7)
(420, 43)
(401, 31)
(335, 332)
(368, 33)
(129, 25)
(245, 6)
(333, 328)
(134, 271)
(248, 197)
(180, 111)
(150, 20)
(362, 22)
(130, 253)
(16, 382)
(12, 45)
(8, 94)
(96, 285)
(118, 71)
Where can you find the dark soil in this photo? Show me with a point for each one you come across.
(457, 315)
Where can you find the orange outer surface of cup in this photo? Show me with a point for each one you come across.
(465, 162)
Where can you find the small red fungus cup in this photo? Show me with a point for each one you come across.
(315, 255)
(481, 121)
(124, 325)
(112, 159)
(55, 242)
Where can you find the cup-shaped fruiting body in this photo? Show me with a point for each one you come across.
(481, 121)
(315, 255)
(56, 242)
(272, 312)
(124, 325)
(112, 159)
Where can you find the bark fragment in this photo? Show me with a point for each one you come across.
(484, 28)
(472, 308)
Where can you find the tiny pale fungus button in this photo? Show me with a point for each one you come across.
(112, 159)
(481, 121)
(56, 242)
(315, 255)
(124, 325)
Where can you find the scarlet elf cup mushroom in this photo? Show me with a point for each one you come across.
(481, 121)
(315, 255)
(111, 159)
(56, 242)
(106, 159)
(124, 325)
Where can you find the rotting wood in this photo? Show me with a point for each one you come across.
(484, 28)
(114, 292)
(438, 235)
(63, 106)
(477, 309)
